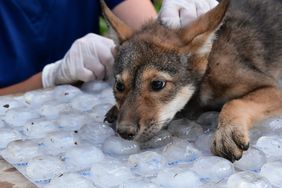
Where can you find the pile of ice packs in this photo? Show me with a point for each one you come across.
(57, 139)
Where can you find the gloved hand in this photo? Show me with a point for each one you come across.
(178, 13)
(89, 58)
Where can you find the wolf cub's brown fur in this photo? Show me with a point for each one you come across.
(228, 59)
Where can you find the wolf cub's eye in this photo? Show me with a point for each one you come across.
(157, 85)
(120, 86)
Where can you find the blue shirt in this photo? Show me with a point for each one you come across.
(34, 33)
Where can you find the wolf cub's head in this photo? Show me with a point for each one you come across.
(156, 70)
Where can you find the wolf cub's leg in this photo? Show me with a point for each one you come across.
(111, 115)
(239, 115)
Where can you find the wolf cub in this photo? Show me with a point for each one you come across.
(229, 59)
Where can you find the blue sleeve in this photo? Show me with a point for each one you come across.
(113, 3)
(34, 33)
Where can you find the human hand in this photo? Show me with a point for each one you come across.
(89, 58)
(178, 13)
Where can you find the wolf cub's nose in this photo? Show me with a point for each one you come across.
(127, 131)
(127, 136)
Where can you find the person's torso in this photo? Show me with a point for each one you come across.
(34, 33)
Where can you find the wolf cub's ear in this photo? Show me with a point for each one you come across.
(122, 30)
(200, 34)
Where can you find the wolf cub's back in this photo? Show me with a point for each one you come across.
(253, 33)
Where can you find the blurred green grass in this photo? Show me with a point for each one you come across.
(103, 29)
(158, 4)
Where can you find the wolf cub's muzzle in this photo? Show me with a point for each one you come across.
(127, 130)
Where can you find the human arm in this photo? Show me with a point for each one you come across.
(89, 58)
(32, 83)
(127, 12)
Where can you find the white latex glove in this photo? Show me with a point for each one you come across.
(178, 13)
(89, 58)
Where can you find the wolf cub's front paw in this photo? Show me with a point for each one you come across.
(111, 115)
(230, 141)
